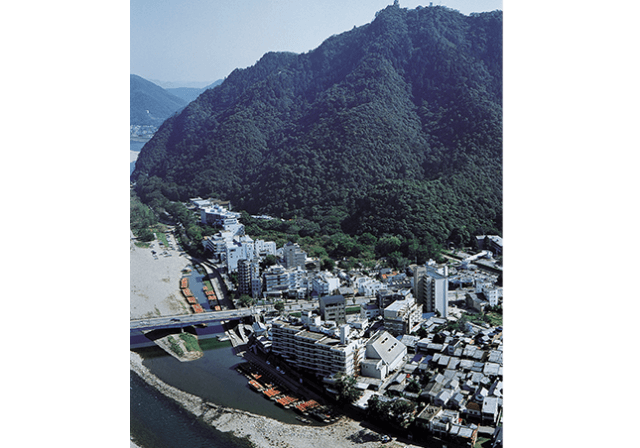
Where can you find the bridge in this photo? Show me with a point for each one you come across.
(185, 320)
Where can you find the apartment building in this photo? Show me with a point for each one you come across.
(402, 316)
(249, 280)
(431, 288)
(293, 256)
(325, 283)
(316, 352)
(279, 281)
(333, 308)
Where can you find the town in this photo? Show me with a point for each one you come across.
(419, 351)
(144, 132)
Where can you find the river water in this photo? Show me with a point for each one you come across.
(158, 422)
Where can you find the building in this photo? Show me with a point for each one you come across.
(368, 286)
(228, 247)
(446, 424)
(490, 242)
(249, 280)
(490, 291)
(279, 282)
(325, 283)
(315, 352)
(216, 215)
(383, 355)
(244, 277)
(293, 256)
(431, 288)
(263, 248)
(402, 316)
(333, 308)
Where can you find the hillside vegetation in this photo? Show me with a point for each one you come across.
(391, 129)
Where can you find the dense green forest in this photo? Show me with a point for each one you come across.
(390, 130)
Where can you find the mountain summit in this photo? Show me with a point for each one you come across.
(394, 127)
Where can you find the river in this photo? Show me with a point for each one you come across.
(157, 422)
(212, 377)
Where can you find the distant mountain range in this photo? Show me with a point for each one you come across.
(392, 128)
(150, 104)
(191, 93)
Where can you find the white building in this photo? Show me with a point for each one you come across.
(216, 215)
(325, 283)
(228, 247)
(383, 355)
(279, 281)
(402, 316)
(368, 286)
(239, 249)
(264, 248)
(315, 352)
(490, 291)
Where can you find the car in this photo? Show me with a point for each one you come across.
(175, 320)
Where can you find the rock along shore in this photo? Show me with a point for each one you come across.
(262, 431)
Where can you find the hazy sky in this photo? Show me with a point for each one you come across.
(205, 40)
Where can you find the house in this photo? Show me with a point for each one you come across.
(490, 410)
(473, 410)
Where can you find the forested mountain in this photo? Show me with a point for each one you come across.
(392, 128)
(150, 104)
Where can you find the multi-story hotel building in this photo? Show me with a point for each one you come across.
(318, 353)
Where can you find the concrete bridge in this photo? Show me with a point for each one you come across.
(185, 320)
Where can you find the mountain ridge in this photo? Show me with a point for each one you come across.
(150, 104)
(410, 102)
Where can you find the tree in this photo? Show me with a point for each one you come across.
(413, 386)
(146, 235)
(279, 306)
(347, 391)
(246, 300)
(387, 245)
(328, 264)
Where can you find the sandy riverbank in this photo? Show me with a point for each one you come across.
(262, 431)
(155, 283)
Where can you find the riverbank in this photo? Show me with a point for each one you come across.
(155, 282)
(262, 431)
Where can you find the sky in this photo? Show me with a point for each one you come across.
(208, 39)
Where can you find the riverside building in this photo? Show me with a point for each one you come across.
(317, 352)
